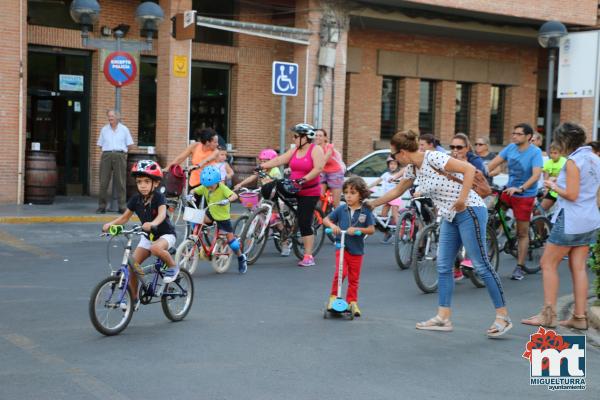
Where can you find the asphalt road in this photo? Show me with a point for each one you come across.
(257, 336)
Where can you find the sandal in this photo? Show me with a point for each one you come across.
(576, 322)
(546, 318)
(436, 323)
(498, 329)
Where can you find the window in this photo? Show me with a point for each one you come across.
(373, 166)
(426, 104)
(50, 13)
(461, 120)
(147, 100)
(497, 115)
(389, 107)
(209, 98)
(223, 9)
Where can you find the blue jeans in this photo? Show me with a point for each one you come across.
(468, 229)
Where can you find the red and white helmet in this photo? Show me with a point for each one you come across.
(267, 154)
(148, 168)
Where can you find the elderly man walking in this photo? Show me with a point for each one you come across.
(114, 140)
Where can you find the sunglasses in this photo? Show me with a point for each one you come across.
(459, 147)
(519, 133)
(480, 144)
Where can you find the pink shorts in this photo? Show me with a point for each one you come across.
(334, 180)
(396, 202)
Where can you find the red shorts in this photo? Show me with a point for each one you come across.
(521, 206)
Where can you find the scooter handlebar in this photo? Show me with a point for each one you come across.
(329, 230)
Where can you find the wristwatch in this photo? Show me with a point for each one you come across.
(521, 188)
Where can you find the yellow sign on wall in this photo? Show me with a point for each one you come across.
(180, 66)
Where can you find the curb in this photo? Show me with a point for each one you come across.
(69, 219)
(563, 308)
(594, 316)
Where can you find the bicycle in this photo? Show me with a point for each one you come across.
(250, 199)
(424, 258)
(260, 223)
(176, 205)
(326, 207)
(205, 242)
(539, 231)
(415, 216)
(112, 297)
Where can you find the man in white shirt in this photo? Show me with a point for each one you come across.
(114, 140)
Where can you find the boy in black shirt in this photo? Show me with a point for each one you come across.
(150, 207)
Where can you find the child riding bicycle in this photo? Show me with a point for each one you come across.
(150, 206)
(351, 217)
(274, 173)
(218, 197)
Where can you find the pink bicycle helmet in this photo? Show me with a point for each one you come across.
(267, 154)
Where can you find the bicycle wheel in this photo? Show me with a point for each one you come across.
(239, 224)
(253, 243)
(319, 236)
(539, 230)
(221, 256)
(493, 255)
(105, 312)
(178, 296)
(405, 239)
(187, 255)
(424, 259)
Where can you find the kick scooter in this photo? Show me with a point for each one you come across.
(339, 307)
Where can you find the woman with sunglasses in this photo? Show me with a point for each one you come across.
(460, 148)
(464, 218)
(306, 162)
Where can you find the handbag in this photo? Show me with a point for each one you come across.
(480, 182)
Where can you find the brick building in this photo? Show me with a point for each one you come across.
(369, 68)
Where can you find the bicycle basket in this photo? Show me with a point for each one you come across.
(287, 188)
(174, 181)
(249, 199)
(193, 215)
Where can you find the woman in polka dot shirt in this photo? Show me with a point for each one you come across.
(464, 218)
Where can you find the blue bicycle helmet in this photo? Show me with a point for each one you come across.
(210, 176)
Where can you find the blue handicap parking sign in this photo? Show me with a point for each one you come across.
(285, 79)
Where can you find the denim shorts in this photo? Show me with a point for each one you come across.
(560, 238)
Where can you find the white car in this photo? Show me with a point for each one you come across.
(373, 165)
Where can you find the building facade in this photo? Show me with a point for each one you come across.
(367, 70)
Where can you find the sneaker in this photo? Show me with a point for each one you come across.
(242, 264)
(387, 237)
(458, 275)
(101, 210)
(330, 303)
(517, 274)
(136, 304)
(354, 309)
(467, 263)
(307, 261)
(170, 274)
(286, 250)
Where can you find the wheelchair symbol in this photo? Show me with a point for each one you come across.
(284, 83)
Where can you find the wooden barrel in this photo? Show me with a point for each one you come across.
(132, 158)
(40, 177)
(243, 167)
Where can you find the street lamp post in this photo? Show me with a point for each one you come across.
(87, 12)
(549, 37)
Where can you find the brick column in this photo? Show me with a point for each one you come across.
(14, 25)
(173, 93)
(445, 107)
(408, 104)
(518, 108)
(580, 111)
(480, 110)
